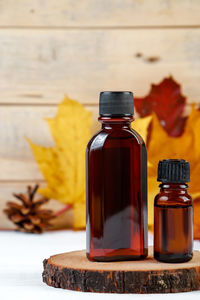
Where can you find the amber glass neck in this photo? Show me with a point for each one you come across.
(115, 122)
(173, 186)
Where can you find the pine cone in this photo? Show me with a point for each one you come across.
(28, 216)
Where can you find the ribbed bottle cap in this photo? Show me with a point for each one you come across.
(116, 104)
(173, 170)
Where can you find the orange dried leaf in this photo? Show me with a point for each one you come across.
(196, 205)
(162, 146)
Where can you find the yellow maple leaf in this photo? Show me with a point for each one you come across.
(162, 146)
(63, 166)
(141, 125)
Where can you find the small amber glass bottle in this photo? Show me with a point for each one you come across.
(116, 184)
(173, 213)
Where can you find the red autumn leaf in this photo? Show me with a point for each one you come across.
(196, 205)
(166, 100)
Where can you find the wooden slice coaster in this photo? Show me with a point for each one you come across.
(74, 271)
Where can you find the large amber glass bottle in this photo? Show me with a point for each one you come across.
(116, 164)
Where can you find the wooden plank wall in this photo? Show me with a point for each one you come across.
(50, 48)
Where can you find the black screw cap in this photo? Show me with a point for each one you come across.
(173, 170)
(116, 104)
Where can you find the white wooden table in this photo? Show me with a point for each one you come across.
(21, 257)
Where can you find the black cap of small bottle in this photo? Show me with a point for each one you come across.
(174, 171)
(116, 104)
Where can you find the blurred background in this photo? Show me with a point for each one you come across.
(50, 48)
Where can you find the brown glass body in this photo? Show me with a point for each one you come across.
(116, 226)
(173, 224)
